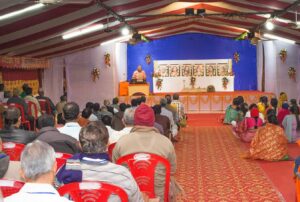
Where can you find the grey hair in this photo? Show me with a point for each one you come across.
(128, 116)
(37, 159)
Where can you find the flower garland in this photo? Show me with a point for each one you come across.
(159, 81)
(95, 74)
(236, 57)
(283, 55)
(292, 73)
(225, 82)
(107, 59)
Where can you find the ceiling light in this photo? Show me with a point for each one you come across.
(125, 31)
(19, 12)
(83, 31)
(265, 15)
(118, 39)
(271, 36)
(282, 20)
(269, 25)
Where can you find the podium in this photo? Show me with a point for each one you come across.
(134, 89)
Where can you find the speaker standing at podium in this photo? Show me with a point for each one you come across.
(139, 76)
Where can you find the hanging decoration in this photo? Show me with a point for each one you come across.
(283, 55)
(159, 81)
(292, 73)
(107, 59)
(236, 57)
(193, 81)
(148, 59)
(95, 74)
(225, 82)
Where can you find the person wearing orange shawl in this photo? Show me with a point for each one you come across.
(269, 142)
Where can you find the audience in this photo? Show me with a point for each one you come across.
(43, 97)
(83, 120)
(94, 164)
(167, 113)
(96, 111)
(254, 106)
(145, 138)
(134, 103)
(117, 123)
(231, 113)
(107, 110)
(291, 124)
(178, 106)
(282, 99)
(38, 168)
(282, 113)
(24, 87)
(29, 97)
(273, 105)
(49, 134)
(89, 106)
(162, 120)
(60, 105)
(115, 104)
(71, 115)
(171, 108)
(11, 131)
(262, 105)
(269, 142)
(4, 161)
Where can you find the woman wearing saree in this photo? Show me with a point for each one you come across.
(269, 142)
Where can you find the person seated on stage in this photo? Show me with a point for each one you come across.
(231, 113)
(12, 131)
(162, 120)
(38, 168)
(16, 99)
(117, 123)
(139, 75)
(167, 113)
(246, 129)
(263, 105)
(49, 134)
(29, 97)
(171, 108)
(71, 115)
(94, 164)
(291, 124)
(43, 97)
(83, 120)
(269, 142)
(283, 112)
(282, 98)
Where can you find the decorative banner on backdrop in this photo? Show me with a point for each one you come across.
(176, 75)
(23, 63)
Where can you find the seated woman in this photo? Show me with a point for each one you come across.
(231, 113)
(243, 109)
(291, 124)
(269, 142)
(273, 105)
(247, 128)
(283, 112)
(254, 106)
(282, 98)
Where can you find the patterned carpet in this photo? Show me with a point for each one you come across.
(210, 168)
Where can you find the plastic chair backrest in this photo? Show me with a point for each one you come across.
(20, 107)
(30, 106)
(92, 191)
(61, 159)
(142, 167)
(110, 149)
(9, 187)
(45, 106)
(13, 150)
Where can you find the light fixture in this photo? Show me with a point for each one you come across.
(264, 15)
(125, 31)
(21, 11)
(271, 36)
(83, 31)
(282, 20)
(118, 39)
(269, 25)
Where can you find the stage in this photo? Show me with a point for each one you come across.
(205, 102)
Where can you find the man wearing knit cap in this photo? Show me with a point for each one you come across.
(145, 138)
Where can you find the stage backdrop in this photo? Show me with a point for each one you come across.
(192, 75)
(193, 46)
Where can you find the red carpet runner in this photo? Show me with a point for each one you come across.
(210, 168)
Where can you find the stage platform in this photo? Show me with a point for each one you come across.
(215, 102)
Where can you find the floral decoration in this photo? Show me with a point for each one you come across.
(159, 80)
(95, 74)
(292, 73)
(283, 55)
(148, 59)
(193, 81)
(225, 82)
(236, 57)
(107, 59)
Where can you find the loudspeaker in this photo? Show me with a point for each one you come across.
(189, 11)
(201, 11)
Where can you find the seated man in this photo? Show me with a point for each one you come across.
(43, 97)
(29, 97)
(145, 138)
(83, 120)
(71, 115)
(139, 75)
(94, 164)
(11, 131)
(38, 168)
(49, 134)
(178, 106)
(162, 120)
(117, 123)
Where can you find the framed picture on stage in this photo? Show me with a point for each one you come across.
(163, 70)
(186, 70)
(222, 69)
(198, 70)
(174, 70)
(210, 69)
